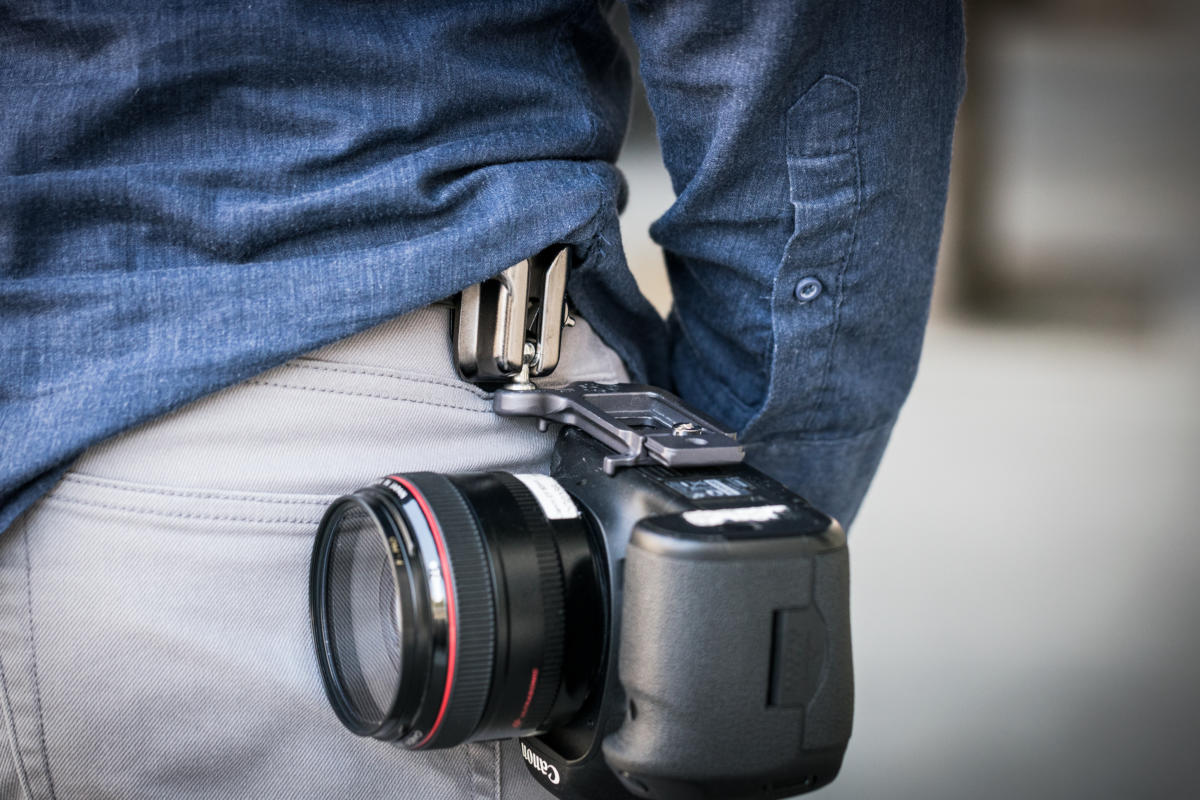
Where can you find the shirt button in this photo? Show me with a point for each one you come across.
(808, 289)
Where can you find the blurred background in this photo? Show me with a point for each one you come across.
(1026, 567)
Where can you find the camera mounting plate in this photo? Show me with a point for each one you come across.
(642, 424)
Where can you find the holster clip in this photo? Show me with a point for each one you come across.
(508, 329)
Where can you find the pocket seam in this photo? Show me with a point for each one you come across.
(196, 494)
(320, 365)
(53, 498)
(375, 395)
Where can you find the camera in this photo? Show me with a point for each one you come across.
(652, 619)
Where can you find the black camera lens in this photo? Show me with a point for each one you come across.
(444, 608)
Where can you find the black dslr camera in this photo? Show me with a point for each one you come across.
(653, 619)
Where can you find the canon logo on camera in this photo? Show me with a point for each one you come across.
(540, 764)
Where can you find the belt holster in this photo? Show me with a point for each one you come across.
(508, 329)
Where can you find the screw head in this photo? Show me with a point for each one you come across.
(685, 429)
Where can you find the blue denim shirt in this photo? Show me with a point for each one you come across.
(193, 192)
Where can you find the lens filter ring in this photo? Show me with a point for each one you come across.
(471, 610)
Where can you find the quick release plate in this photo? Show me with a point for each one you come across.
(642, 424)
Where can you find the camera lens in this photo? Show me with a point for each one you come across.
(364, 623)
(444, 608)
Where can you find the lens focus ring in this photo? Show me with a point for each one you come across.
(550, 574)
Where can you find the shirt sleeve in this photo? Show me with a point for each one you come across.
(808, 144)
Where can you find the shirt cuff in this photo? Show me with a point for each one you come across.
(832, 473)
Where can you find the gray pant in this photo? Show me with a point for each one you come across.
(154, 635)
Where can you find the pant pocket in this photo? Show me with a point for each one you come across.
(173, 654)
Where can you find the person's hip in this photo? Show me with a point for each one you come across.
(155, 639)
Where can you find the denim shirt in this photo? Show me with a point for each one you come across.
(193, 192)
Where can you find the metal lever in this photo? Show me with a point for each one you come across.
(643, 424)
(509, 328)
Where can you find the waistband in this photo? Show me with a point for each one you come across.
(384, 400)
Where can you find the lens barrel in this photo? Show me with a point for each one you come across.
(443, 608)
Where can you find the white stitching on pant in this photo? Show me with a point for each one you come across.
(320, 366)
(210, 518)
(496, 758)
(603, 376)
(37, 689)
(10, 718)
(11, 725)
(91, 480)
(486, 410)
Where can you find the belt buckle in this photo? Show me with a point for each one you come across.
(508, 329)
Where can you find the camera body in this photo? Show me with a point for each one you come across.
(654, 619)
(729, 670)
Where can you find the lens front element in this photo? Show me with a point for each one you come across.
(364, 619)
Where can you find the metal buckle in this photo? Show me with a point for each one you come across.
(508, 329)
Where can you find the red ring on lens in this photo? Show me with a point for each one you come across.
(452, 620)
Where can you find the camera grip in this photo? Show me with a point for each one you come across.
(735, 656)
